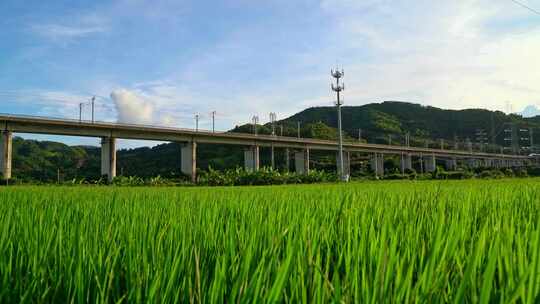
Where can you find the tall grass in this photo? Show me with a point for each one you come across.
(471, 241)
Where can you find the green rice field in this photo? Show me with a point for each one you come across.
(372, 242)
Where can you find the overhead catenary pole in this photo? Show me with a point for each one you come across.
(273, 122)
(338, 88)
(80, 111)
(213, 121)
(197, 122)
(93, 106)
(407, 139)
(255, 121)
(298, 128)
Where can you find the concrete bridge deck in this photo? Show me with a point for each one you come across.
(109, 131)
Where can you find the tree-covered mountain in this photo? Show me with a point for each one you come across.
(379, 122)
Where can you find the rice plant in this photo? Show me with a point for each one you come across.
(403, 241)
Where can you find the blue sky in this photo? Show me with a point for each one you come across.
(162, 62)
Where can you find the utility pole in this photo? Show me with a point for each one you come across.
(389, 139)
(93, 104)
(338, 88)
(281, 127)
(255, 121)
(196, 122)
(359, 134)
(213, 121)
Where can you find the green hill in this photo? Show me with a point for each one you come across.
(378, 120)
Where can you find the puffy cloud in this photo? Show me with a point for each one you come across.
(131, 108)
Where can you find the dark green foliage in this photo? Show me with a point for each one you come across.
(43, 160)
(265, 176)
(396, 176)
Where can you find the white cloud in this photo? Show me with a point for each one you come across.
(132, 108)
(57, 31)
(69, 28)
(453, 54)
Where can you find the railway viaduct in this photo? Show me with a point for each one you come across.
(300, 147)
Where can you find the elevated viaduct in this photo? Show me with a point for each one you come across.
(300, 147)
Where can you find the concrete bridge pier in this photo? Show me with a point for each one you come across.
(451, 164)
(272, 157)
(429, 163)
(346, 163)
(6, 144)
(406, 162)
(472, 163)
(189, 160)
(377, 164)
(287, 160)
(251, 159)
(301, 161)
(108, 157)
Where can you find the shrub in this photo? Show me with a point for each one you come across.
(264, 176)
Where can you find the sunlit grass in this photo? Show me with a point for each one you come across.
(463, 241)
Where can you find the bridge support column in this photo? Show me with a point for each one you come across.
(472, 163)
(301, 161)
(287, 160)
(377, 164)
(406, 162)
(251, 159)
(451, 164)
(108, 157)
(272, 159)
(6, 144)
(429, 163)
(189, 160)
(346, 163)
